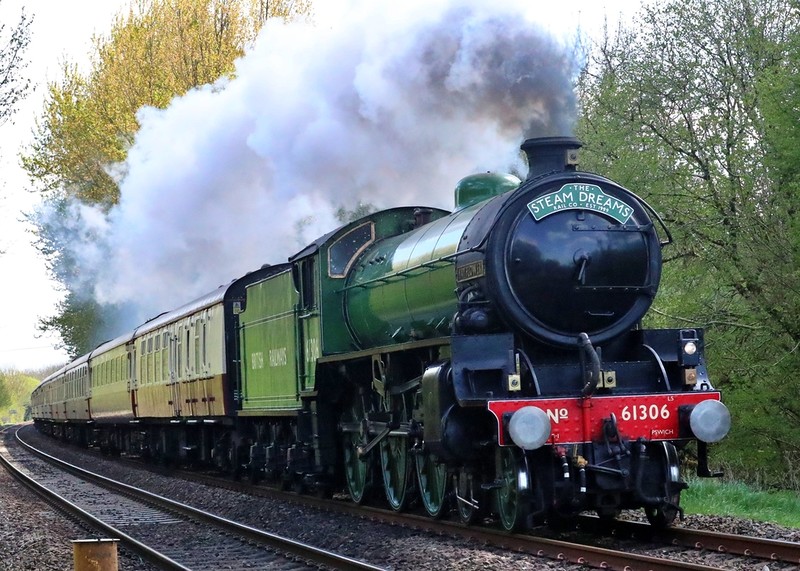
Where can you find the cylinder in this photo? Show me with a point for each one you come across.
(95, 554)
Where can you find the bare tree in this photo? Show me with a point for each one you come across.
(13, 87)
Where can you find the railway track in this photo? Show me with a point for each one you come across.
(756, 547)
(169, 534)
(675, 542)
(678, 548)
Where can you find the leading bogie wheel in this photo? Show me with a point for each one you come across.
(467, 497)
(512, 503)
(664, 514)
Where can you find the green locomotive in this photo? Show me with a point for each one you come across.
(484, 361)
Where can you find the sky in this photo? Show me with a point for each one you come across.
(59, 30)
(63, 30)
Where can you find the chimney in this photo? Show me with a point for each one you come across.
(548, 154)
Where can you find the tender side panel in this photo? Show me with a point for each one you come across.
(268, 339)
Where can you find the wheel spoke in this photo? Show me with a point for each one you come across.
(396, 467)
(357, 470)
(432, 482)
(467, 502)
(664, 514)
(511, 504)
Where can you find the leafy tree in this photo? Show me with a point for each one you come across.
(80, 322)
(688, 108)
(344, 215)
(13, 88)
(158, 50)
(15, 395)
(5, 394)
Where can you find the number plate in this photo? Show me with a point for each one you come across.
(654, 417)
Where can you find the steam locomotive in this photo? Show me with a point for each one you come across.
(488, 361)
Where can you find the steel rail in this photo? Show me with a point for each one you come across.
(301, 550)
(66, 506)
(747, 546)
(558, 550)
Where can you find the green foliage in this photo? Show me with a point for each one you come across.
(157, 50)
(151, 55)
(344, 215)
(80, 323)
(15, 395)
(5, 396)
(688, 109)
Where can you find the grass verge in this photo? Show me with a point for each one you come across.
(716, 497)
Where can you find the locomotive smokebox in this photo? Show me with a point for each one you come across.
(548, 154)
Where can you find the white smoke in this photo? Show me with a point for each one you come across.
(386, 103)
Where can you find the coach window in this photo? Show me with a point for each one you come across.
(165, 356)
(150, 374)
(179, 351)
(197, 330)
(188, 353)
(157, 359)
(205, 344)
(142, 362)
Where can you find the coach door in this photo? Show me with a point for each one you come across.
(174, 372)
(131, 372)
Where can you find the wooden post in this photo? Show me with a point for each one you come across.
(95, 554)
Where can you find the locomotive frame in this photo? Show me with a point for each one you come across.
(489, 360)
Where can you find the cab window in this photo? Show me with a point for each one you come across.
(343, 252)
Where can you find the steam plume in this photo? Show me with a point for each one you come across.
(388, 103)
